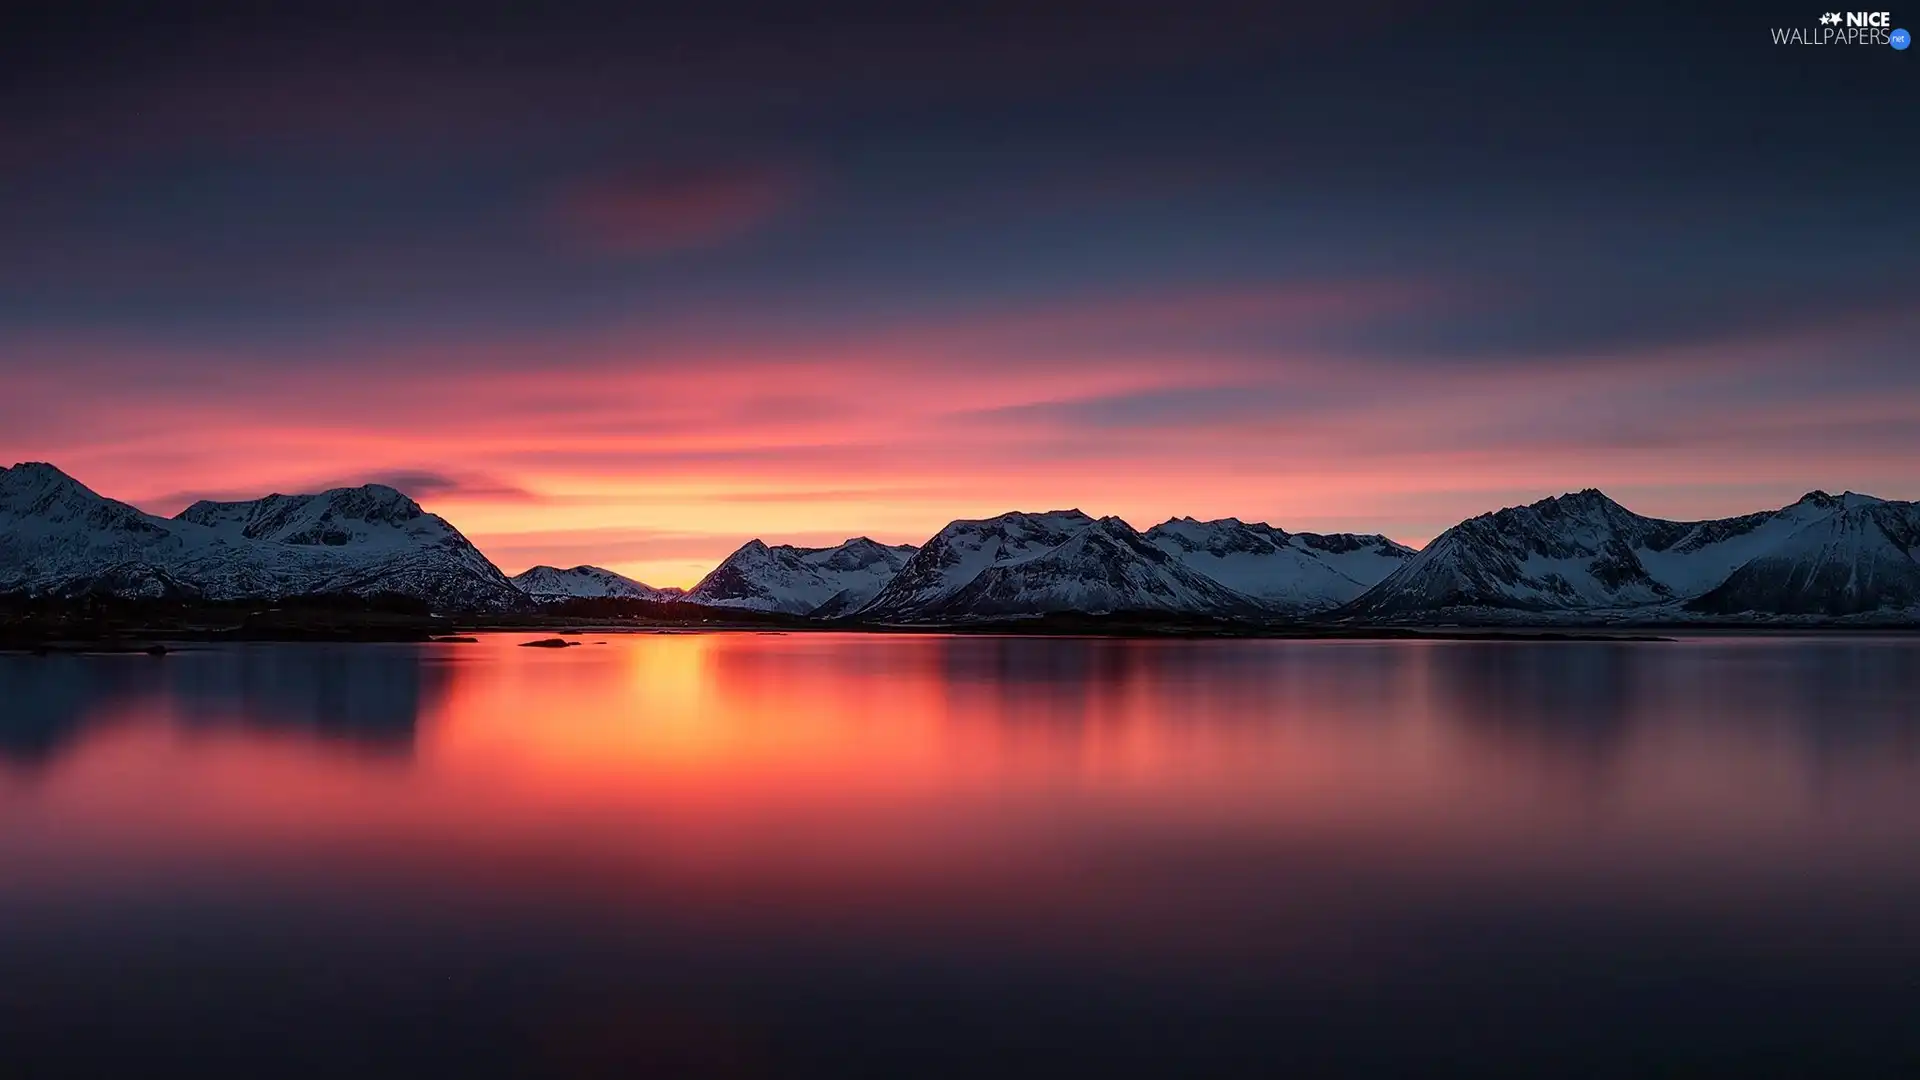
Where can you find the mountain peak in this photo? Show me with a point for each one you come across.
(366, 540)
(1583, 497)
(374, 502)
(1844, 500)
(37, 476)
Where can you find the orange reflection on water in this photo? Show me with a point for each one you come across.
(1059, 782)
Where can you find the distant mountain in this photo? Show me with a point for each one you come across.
(550, 585)
(1578, 556)
(362, 540)
(958, 553)
(1585, 553)
(1860, 556)
(58, 537)
(1293, 573)
(1021, 564)
(800, 581)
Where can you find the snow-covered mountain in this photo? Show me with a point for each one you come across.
(958, 553)
(1861, 555)
(59, 537)
(551, 585)
(801, 581)
(1574, 556)
(1021, 564)
(1293, 573)
(1586, 553)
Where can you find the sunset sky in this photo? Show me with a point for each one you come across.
(616, 288)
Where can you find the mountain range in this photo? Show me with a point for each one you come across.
(59, 538)
(1579, 557)
(1585, 555)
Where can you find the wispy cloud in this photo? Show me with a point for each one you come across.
(660, 451)
(422, 484)
(652, 210)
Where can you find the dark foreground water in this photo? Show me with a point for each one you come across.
(838, 855)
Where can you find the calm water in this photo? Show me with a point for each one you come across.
(773, 854)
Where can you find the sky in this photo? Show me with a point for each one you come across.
(602, 285)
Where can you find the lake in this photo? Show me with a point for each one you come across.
(778, 854)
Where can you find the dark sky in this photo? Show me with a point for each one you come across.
(614, 285)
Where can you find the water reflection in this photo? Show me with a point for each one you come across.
(368, 696)
(770, 853)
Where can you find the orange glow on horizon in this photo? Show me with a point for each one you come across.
(656, 452)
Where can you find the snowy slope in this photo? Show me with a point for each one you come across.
(1823, 556)
(799, 581)
(1293, 573)
(361, 540)
(960, 552)
(1105, 566)
(57, 536)
(1570, 552)
(1861, 556)
(1586, 553)
(551, 585)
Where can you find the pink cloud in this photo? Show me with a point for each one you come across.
(654, 210)
(610, 441)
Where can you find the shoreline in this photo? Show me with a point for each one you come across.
(138, 627)
(158, 640)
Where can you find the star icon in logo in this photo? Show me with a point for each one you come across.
(1831, 18)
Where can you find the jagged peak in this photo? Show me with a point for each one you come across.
(1217, 523)
(867, 542)
(1075, 513)
(1585, 503)
(1846, 499)
(1583, 498)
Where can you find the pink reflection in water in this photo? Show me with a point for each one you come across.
(1183, 797)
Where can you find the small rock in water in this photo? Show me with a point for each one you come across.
(549, 643)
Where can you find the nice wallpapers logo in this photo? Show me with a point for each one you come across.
(1846, 28)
